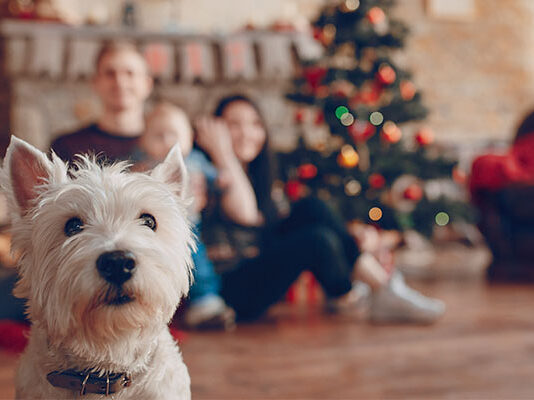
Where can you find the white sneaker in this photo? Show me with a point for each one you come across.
(397, 302)
(355, 300)
(210, 313)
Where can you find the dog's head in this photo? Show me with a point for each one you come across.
(103, 252)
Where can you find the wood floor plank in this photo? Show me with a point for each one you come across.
(483, 348)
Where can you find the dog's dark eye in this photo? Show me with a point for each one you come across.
(73, 226)
(148, 220)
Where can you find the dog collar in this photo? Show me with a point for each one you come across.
(87, 382)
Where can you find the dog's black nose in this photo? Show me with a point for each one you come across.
(116, 266)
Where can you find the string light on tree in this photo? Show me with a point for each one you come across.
(376, 118)
(340, 111)
(347, 119)
(348, 157)
(375, 214)
(442, 218)
(353, 187)
(350, 6)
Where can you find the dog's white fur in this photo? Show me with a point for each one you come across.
(73, 327)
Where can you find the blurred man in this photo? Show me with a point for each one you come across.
(123, 84)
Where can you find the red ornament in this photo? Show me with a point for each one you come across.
(307, 171)
(314, 76)
(377, 181)
(407, 90)
(376, 15)
(369, 94)
(386, 74)
(391, 133)
(424, 136)
(413, 192)
(361, 131)
(294, 190)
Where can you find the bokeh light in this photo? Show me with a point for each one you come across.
(442, 218)
(351, 5)
(353, 187)
(340, 111)
(375, 214)
(347, 119)
(376, 118)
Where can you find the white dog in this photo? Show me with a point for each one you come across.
(104, 259)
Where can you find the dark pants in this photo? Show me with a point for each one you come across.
(10, 306)
(312, 238)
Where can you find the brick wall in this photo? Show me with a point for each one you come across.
(477, 75)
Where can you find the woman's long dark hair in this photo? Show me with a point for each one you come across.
(526, 126)
(261, 170)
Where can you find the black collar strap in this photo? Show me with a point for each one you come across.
(86, 382)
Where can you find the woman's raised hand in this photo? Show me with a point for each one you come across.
(213, 137)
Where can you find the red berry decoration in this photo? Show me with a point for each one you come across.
(424, 136)
(413, 192)
(386, 75)
(377, 181)
(294, 190)
(307, 171)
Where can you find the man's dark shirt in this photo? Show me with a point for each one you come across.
(91, 139)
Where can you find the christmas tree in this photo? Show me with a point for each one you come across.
(351, 150)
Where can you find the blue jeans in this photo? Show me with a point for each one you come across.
(206, 281)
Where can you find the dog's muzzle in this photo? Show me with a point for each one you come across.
(116, 267)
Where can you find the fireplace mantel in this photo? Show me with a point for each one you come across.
(46, 70)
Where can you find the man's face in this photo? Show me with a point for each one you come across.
(122, 80)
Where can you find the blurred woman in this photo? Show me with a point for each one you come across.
(266, 253)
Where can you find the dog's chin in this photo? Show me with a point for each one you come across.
(116, 296)
(120, 300)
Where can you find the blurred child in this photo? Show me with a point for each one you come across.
(167, 125)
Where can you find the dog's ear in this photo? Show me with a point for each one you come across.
(26, 168)
(173, 171)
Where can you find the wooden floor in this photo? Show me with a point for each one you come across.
(482, 349)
